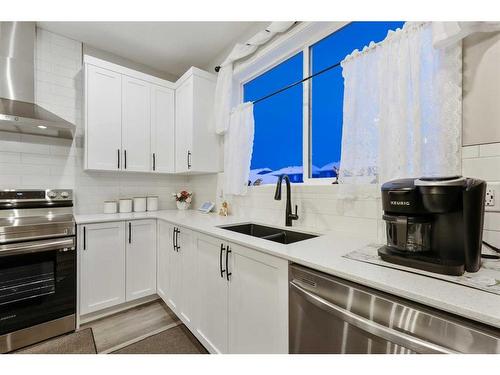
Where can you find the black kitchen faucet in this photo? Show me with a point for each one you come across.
(289, 216)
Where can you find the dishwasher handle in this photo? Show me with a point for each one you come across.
(396, 337)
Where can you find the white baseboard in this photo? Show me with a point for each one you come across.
(116, 309)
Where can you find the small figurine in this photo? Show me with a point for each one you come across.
(224, 211)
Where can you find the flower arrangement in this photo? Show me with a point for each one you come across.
(183, 199)
(183, 196)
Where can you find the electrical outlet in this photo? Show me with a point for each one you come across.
(490, 197)
(492, 202)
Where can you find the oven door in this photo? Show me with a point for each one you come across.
(37, 282)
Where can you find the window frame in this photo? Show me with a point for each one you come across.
(300, 39)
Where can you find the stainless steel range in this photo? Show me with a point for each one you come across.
(37, 266)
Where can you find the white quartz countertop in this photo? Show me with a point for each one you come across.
(325, 253)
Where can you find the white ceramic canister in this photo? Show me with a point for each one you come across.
(110, 207)
(152, 203)
(126, 205)
(139, 204)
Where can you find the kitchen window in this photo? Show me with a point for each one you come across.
(278, 140)
(307, 148)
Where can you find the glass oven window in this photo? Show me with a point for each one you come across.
(23, 282)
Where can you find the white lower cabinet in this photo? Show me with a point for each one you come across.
(258, 302)
(233, 298)
(187, 267)
(164, 249)
(102, 266)
(212, 294)
(177, 262)
(242, 299)
(117, 263)
(141, 259)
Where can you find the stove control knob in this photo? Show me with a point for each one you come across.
(65, 195)
(52, 194)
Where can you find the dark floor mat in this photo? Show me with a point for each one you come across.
(81, 342)
(177, 340)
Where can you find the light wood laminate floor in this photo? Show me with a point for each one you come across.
(124, 328)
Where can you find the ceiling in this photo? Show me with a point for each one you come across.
(171, 47)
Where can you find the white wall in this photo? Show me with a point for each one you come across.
(39, 162)
(108, 56)
(481, 88)
(252, 30)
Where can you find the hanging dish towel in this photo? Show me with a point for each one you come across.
(238, 146)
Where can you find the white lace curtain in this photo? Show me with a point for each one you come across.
(402, 109)
(224, 99)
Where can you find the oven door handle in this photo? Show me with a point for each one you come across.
(370, 326)
(68, 244)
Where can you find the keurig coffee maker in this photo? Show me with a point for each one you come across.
(434, 223)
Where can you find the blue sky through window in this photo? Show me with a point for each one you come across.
(278, 120)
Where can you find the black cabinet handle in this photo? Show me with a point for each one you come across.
(154, 161)
(177, 239)
(227, 263)
(129, 232)
(84, 238)
(173, 239)
(125, 157)
(220, 260)
(189, 159)
(118, 153)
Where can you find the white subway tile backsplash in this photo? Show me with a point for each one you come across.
(492, 149)
(492, 221)
(367, 228)
(470, 152)
(10, 157)
(487, 168)
(492, 237)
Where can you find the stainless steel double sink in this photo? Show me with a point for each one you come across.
(279, 235)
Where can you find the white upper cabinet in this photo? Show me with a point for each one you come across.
(103, 118)
(162, 129)
(140, 123)
(184, 127)
(136, 119)
(196, 144)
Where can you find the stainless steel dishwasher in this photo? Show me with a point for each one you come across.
(331, 315)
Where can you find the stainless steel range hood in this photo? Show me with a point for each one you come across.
(18, 113)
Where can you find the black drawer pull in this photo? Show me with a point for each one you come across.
(118, 153)
(84, 238)
(129, 232)
(125, 157)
